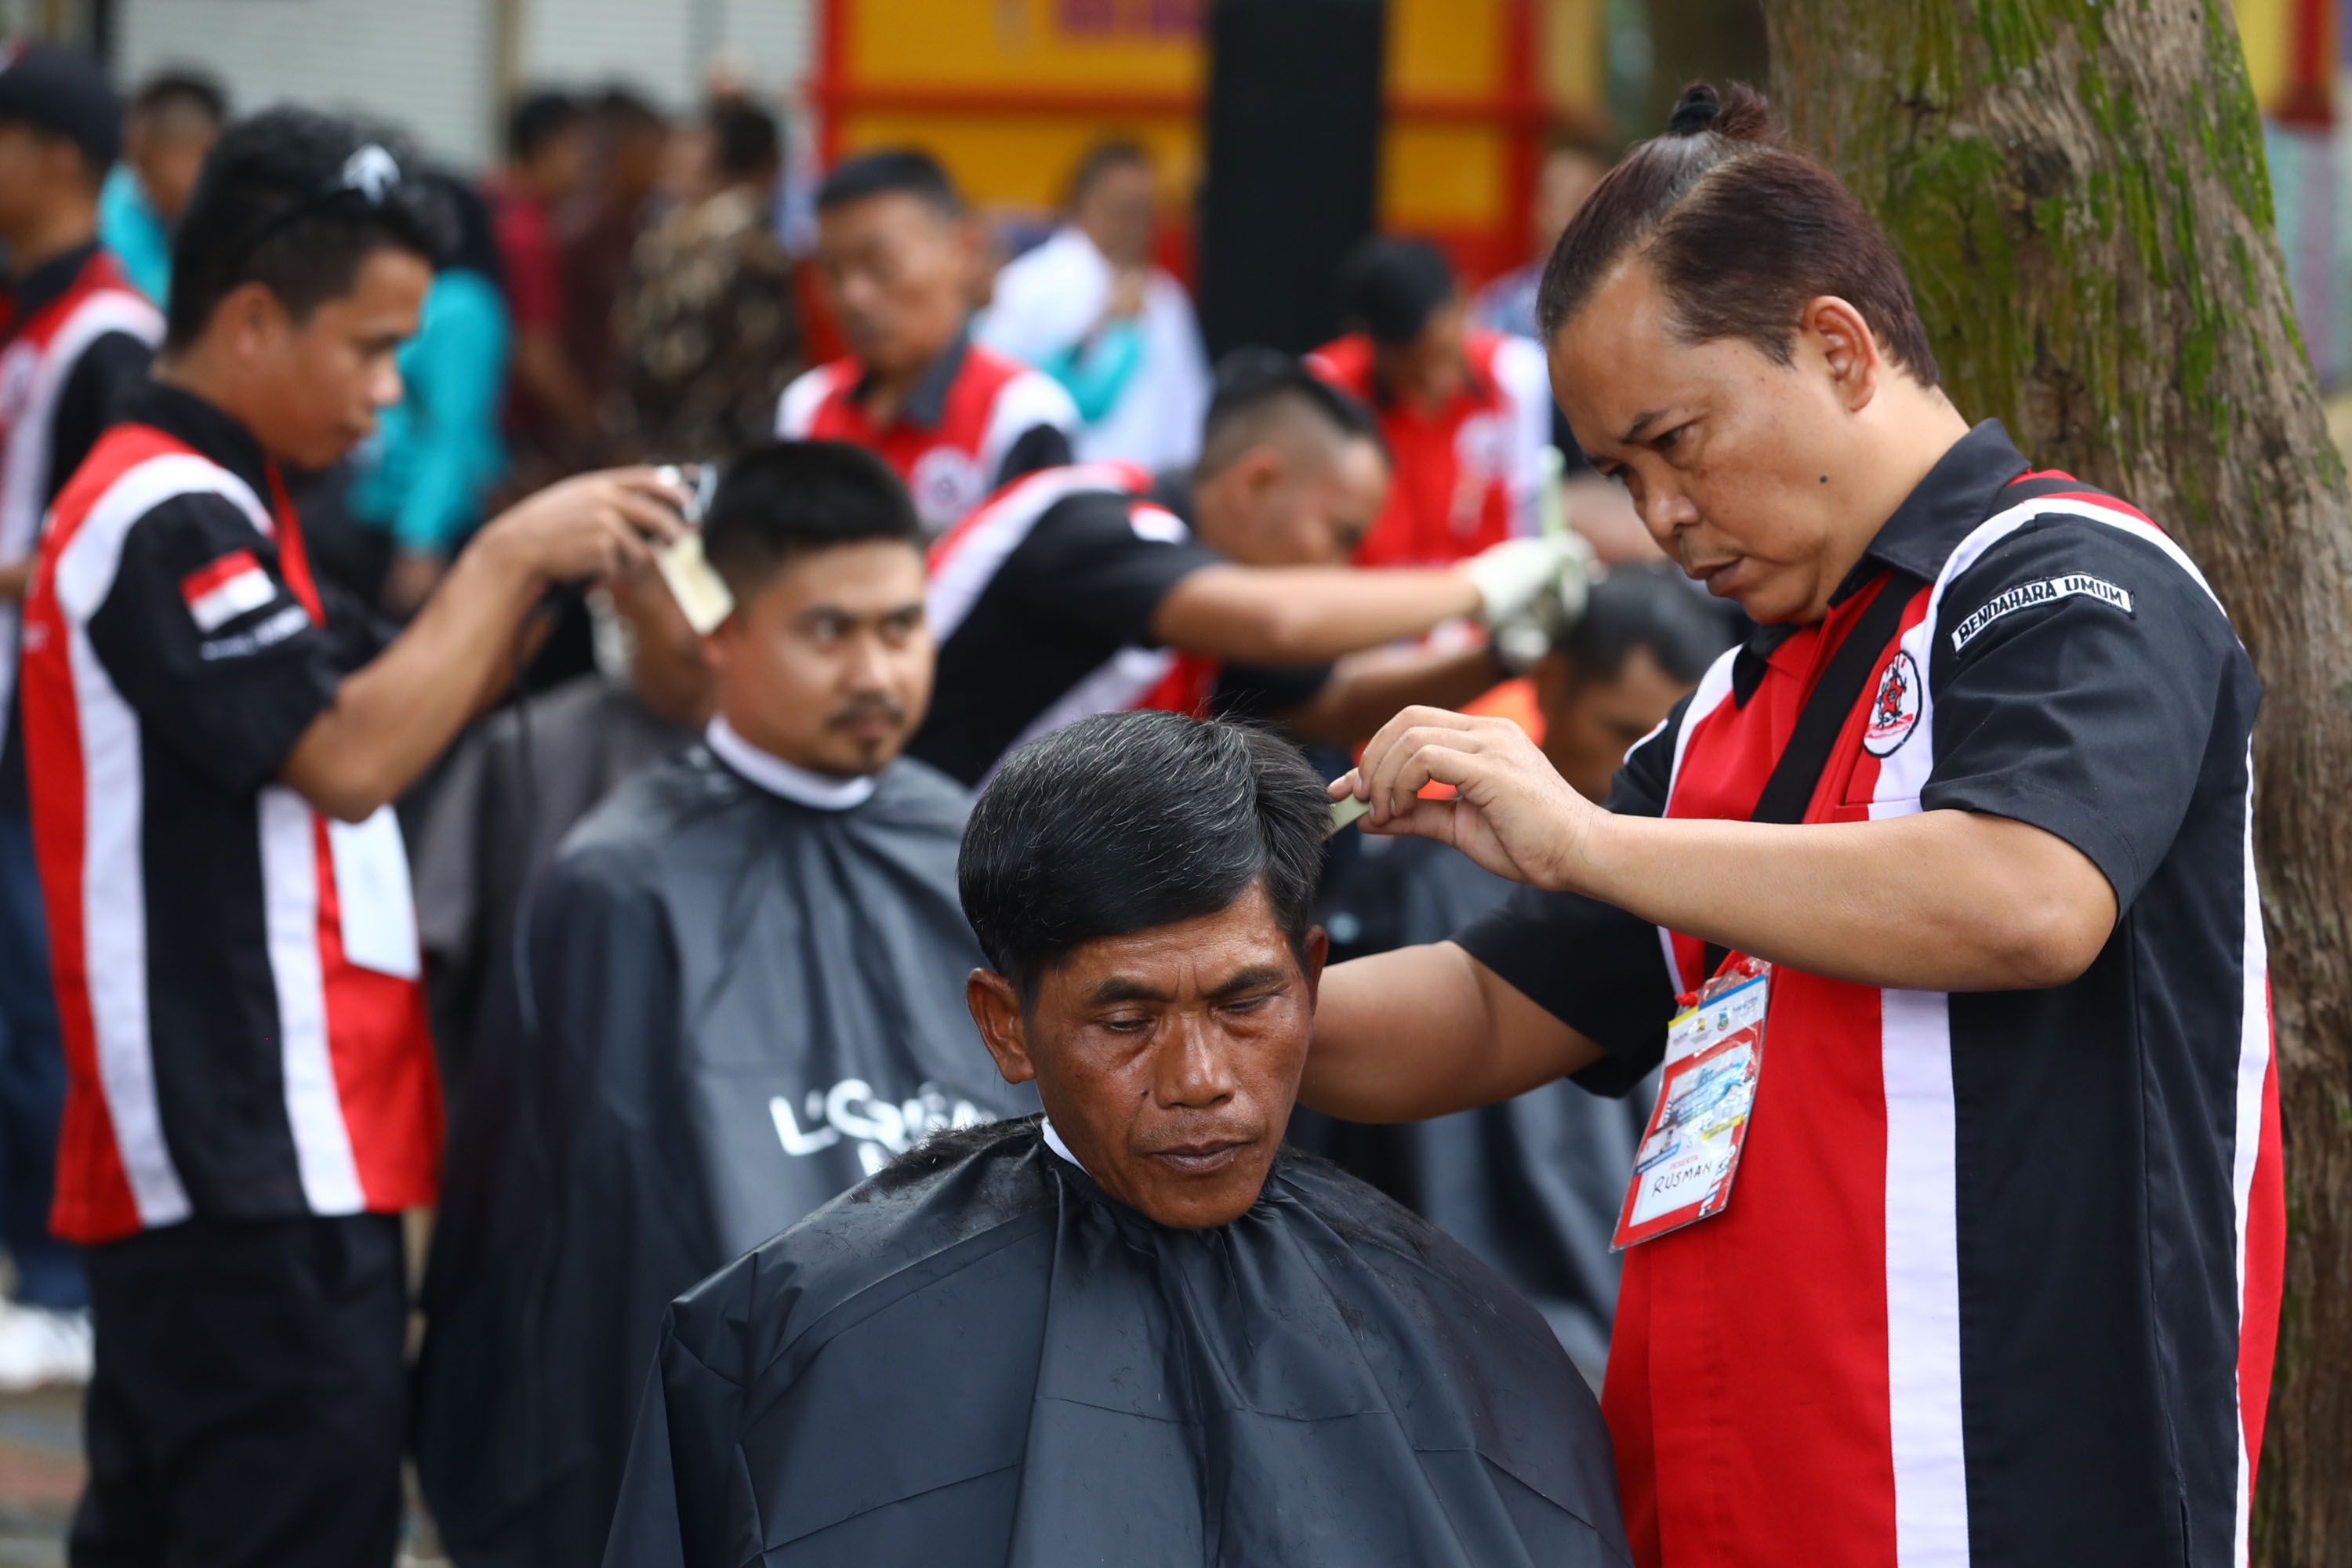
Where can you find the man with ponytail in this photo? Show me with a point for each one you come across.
(1994, 1275)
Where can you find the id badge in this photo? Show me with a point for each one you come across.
(1690, 1150)
(379, 911)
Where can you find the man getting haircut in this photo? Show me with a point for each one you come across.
(1135, 1330)
(744, 993)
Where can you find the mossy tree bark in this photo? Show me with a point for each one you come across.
(2078, 192)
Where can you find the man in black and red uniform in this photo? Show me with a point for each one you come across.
(214, 739)
(1999, 1279)
(72, 332)
(1466, 412)
(1097, 587)
(898, 257)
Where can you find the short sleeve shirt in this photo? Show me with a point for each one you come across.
(1061, 629)
(244, 1033)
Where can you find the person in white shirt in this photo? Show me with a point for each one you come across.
(1089, 308)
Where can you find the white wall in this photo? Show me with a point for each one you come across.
(425, 65)
(659, 47)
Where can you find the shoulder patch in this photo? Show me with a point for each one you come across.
(2039, 591)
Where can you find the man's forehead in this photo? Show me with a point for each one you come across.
(876, 576)
(1195, 955)
(1606, 360)
(891, 213)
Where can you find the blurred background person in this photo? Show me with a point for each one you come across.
(1466, 413)
(518, 781)
(1598, 509)
(1091, 308)
(1532, 1185)
(550, 414)
(73, 335)
(708, 331)
(424, 483)
(173, 120)
(1098, 587)
(1573, 164)
(626, 144)
(898, 261)
(742, 992)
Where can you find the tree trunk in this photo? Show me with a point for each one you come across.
(2078, 192)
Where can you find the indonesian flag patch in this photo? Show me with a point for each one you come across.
(218, 593)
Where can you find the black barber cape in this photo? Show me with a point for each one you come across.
(978, 1358)
(1533, 1184)
(739, 1005)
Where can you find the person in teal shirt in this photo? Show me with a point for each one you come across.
(437, 454)
(171, 122)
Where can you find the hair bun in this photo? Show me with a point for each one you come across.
(1738, 113)
(1697, 110)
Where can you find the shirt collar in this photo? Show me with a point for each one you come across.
(1941, 511)
(47, 284)
(1173, 491)
(209, 428)
(927, 403)
(1054, 1142)
(778, 777)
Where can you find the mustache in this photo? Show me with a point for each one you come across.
(863, 707)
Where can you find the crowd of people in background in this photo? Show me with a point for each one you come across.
(1017, 496)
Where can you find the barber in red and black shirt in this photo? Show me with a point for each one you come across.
(1098, 587)
(215, 737)
(73, 333)
(899, 259)
(1998, 1273)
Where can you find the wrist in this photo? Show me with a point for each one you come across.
(1592, 853)
(496, 557)
(1467, 600)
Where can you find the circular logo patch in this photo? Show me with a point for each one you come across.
(1895, 710)
(945, 484)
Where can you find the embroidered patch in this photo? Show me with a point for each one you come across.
(229, 587)
(267, 635)
(2041, 591)
(1895, 710)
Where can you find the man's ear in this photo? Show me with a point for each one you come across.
(1552, 680)
(1259, 470)
(1836, 332)
(996, 1010)
(1318, 950)
(719, 642)
(252, 315)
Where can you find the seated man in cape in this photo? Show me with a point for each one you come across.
(741, 991)
(1136, 1331)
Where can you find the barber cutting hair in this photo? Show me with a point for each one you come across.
(1996, 1266)
(214, 737)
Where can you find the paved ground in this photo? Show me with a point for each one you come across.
(40, 1476)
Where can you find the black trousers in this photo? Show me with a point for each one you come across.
(249, 1399)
